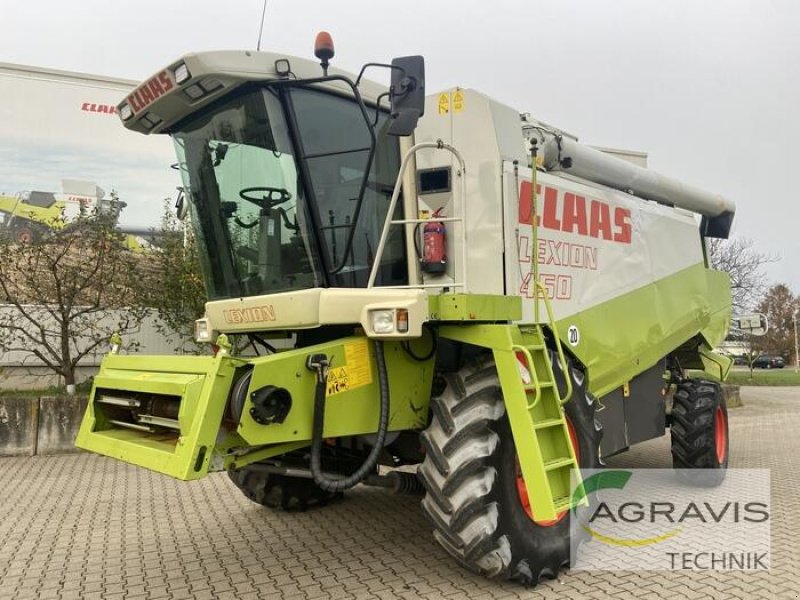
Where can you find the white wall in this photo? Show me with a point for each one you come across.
(22, 370)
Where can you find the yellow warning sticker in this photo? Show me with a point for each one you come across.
(356, 372)
(444, 104)
(458, 101)
(338, 381)
(356, 355)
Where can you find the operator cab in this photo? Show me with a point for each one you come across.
(288, 172)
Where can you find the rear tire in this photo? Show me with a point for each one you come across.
(470, 476)
(699, 432)
(280, 492)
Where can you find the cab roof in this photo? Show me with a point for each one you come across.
(197, 79)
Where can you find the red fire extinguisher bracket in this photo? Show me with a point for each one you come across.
(434, 245)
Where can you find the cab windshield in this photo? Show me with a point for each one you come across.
(273, 176)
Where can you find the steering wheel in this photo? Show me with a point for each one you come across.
(270, 196)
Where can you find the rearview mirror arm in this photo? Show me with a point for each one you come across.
(383, 65)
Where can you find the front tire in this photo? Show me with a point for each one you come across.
(699, 432)
(280, 492)
(471, 478)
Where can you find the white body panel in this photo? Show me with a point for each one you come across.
(485, 133)
(581, 262)
(584, 262)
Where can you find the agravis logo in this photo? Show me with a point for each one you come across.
(611, 480)
(656, 519)
(655, 512)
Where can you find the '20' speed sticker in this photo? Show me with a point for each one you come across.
(573, 335)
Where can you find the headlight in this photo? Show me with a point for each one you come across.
(202, 332)
(382, 321)
(182, 73)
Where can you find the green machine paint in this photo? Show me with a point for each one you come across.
(572, 278)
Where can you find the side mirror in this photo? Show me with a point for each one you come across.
(407, 94)
(181, 207)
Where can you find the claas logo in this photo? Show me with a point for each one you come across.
(150, 91)
(572, 213)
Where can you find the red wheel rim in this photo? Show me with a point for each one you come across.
(522, 492)
(720, 434)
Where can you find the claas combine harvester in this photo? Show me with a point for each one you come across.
(413, 304)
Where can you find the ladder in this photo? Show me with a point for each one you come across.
(535, 406)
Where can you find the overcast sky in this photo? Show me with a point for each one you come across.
(710, 89)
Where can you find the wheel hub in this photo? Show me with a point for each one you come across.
(720, 434)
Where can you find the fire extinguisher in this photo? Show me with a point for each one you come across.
(434, 248)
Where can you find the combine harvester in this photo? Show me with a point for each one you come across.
(30, 215)
(27, 217)
(429, 321)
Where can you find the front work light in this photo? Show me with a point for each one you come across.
(125, 112)
(182, 73)
(194, 91)
(282, 67)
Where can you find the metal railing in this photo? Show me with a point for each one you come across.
(461, 219)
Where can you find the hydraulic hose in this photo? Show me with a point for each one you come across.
(339, 485)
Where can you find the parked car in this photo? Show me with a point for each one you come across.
(740, 361)
(769, 362)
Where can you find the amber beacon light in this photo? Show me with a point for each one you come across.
(323, 49)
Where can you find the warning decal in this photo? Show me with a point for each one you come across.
(356, 355)
(444, 104)
(458, 101)
(338, 381)
(356, 372)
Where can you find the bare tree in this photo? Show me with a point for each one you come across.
(745, 266)
(68, 293)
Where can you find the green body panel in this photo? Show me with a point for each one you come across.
(203, 385)
(46, 216)
(628, 334)
(347, 412)
(474, 307)
(715, 365)
(667, 314)
(237, 461)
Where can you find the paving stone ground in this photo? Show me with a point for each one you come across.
(82, 526)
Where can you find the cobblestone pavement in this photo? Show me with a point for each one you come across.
(82, 526)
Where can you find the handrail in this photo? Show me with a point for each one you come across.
(562, 361)
(388, 222)
(534, 385)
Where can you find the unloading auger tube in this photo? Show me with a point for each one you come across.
(568, 156)
(319, 363)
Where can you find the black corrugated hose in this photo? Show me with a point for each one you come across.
(366, 468)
